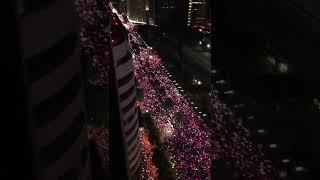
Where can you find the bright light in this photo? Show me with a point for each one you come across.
(199, 82)
(208, 45)
(200, 42)
(150, 57)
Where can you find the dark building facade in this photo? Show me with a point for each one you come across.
(55, 89)
(197, 12)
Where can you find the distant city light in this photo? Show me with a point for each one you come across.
(283, 174)
(273, 146)
(283, 67)
(229, 92)
(261, 131)
(285, 160)
(299, 168)
(221, 82)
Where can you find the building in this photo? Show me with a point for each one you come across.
(197, 12)
(54, 90)
(125, 89)
(136, 10)
(166, 12)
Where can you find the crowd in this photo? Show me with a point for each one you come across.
(95, 38)
(149, 171)
(235, 144)
(189, 144)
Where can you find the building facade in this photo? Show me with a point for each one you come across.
(126, 91)
(136, 10)
(197, 12)
(55, 89)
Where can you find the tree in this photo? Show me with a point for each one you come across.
(167, 103)
(140, 94)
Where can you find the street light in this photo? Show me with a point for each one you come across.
(200, 42)
(199, 82)
(208, 46)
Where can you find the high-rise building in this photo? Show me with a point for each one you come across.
(197, 12)
(50, 53)
(136, 10)
(125, 88)
(165, 12)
